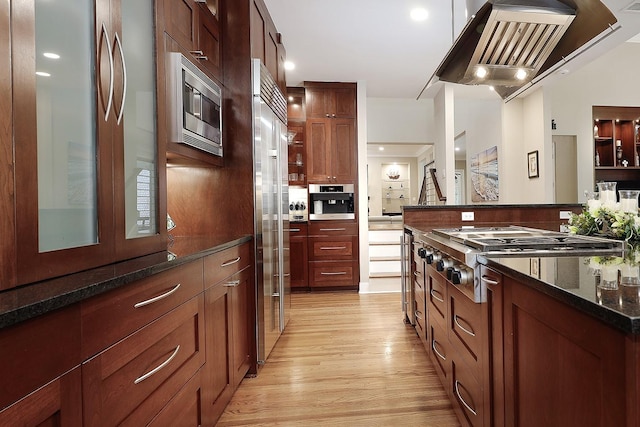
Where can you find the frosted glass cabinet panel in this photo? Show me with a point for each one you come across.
(140, 173)
(66, 117)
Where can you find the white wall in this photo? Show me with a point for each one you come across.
(399, 120)
(480, 121)
(445, 139)
(363, 223)
(609, 80)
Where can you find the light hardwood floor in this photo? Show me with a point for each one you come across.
(344, 360)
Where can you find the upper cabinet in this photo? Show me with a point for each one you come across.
(266, 43)
(331, 137)
(617, 145)
(195, 27)
(330, 100)
(85, 135)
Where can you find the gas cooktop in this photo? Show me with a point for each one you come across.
(521, 240)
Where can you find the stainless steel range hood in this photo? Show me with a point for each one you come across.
(508, 43)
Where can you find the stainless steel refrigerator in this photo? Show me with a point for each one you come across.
(271, 209)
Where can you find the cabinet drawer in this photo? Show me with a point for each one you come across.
(328, 274)
(333, 228)
(35, 352)
(130, 382)
(467, 393)
(333, 248)
(465, 328)
(437, 295)
(110, 317)
(439, 350)
(184, 408)
(418, 277)
(299, 229)
(225, 263)
(421, 317)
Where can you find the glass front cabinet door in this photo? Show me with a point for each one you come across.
(86, 158)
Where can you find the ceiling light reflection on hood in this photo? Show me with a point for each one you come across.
(481, 72)
(521, 74)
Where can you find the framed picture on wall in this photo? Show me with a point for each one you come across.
(532, 162)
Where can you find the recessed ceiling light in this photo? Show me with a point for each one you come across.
(481, 72)
(492, 88)
(288, 65)
(419, 14)
(381, 148)
(457, 148)
(521, 74)
(51, 55)
(42, 74)
(290, 98)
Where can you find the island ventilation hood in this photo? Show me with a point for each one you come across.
(508, 43)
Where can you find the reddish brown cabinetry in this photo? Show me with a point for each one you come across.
(197, 32)
(333, 254)
(328, 100)
(266, 43)
(228, 308)
(39, 367)
(562, 367)
(299, 255)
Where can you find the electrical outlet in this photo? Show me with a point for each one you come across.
(467, 216)
(565, 214)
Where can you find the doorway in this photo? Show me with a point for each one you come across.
(565, 155)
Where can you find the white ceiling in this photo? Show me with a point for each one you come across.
(375, 41)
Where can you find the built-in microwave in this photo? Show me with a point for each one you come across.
(195, 113)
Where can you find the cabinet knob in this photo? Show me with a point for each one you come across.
(333, 115)
(328, 115)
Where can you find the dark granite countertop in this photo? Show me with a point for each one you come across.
(29, 301)
(575, 282)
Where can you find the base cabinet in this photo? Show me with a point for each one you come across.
(562, 367)
(333, 254)
(299, 256)
(228, 327)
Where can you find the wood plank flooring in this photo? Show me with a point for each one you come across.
(344, 360)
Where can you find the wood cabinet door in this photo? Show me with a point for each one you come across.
(344, 162)
(299, 259)
(217, 373)
(63, 153)
(318, 103)
(57, 404)
(242, 323)
(319, 150)
(562, 367)
(209, 44)
(344, 103)
(181, 22)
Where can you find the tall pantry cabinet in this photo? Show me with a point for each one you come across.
(87, 165)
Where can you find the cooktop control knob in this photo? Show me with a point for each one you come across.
(462, 276)
(422, 253)
(443, 264)
(450, 271)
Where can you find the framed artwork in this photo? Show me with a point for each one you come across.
(532, 162)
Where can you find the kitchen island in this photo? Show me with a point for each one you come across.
(526, 340)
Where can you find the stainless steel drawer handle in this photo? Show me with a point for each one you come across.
(157, 368)
(489, 281)
(466, 405)
(294, 230)
(435, 350)
(333, 229)
(339, 273)
(158, 298)
(228, 263)
(416, 273)
(418, 314)
(332, 248)
(232, 284)
(455, 319)
(436, 297)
